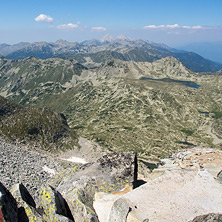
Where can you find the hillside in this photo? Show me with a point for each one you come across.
(35, 128)
(150, 108)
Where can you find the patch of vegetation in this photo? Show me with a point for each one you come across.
(187, 132)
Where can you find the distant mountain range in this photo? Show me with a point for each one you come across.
(109, 47)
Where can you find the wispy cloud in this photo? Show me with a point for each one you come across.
(176, 26)
(67, 26)
(43, 18)
(99, 28)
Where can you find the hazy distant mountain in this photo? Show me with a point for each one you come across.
(45, 50)
(209, 50)
(6, 49)
(127, 49)
(109, 47)
(110, 38)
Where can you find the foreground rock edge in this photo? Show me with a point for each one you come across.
(112, 172)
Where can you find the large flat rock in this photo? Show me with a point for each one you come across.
(177, 195)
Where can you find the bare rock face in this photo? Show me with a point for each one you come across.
(219, 177)
(54, 205)
(109, 174)
(8, 206)
(26, 203)
(177, 195)
(208, 218)
(119, 210)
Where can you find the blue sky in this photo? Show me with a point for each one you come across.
(173, 22)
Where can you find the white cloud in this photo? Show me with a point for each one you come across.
(198, 27)
(67, 26)
(176, 26)
(150, 27)
(99, 28)
(186, 27)
(43, 18)
(173, 26)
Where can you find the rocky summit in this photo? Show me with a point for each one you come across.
(68, 195)
(185, 187)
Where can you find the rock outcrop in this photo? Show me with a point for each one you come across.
(53, 204)
(180, 188)
(119, 210)
(69, 195)
(208, 218)
(8, 205)
(194, 159)
(27, 206)
(110, 173)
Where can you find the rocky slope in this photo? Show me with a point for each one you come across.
(123, 105)
(68, 195)
(35, 127)
(27, 166)
(185, 187)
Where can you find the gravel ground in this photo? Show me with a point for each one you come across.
(21, 165)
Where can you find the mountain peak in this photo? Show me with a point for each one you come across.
(110, 38)
(107, 38)
(61, 41)
(122, 37)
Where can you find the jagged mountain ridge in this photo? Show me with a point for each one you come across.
(112, 105)
(110, 47)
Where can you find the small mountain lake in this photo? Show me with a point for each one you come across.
(185, 83)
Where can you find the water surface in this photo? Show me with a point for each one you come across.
(185, 83)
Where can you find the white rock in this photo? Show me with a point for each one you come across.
(177, 195)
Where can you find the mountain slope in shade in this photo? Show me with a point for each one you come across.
(34, 127)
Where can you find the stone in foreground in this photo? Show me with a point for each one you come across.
(110, 173)
(8, 206)
(27, 205)
(208, 218)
